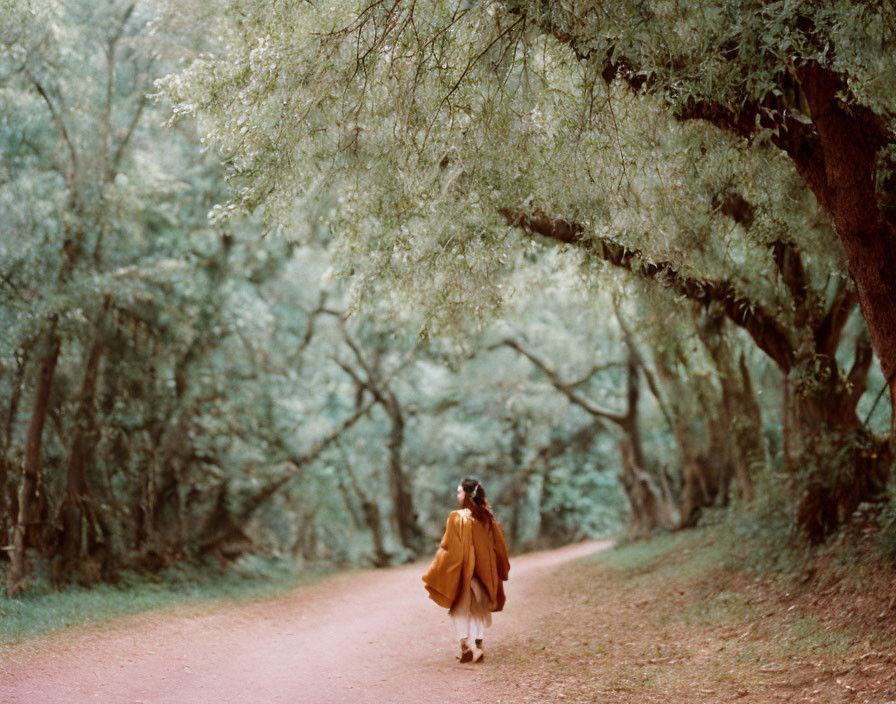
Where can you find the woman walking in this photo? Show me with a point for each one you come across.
(467, 574)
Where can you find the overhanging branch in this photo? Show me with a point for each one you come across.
(769, 335)
(299, 463)
(564, 387)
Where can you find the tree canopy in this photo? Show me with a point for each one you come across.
(427, 124)
(738, 154)
(275, 273)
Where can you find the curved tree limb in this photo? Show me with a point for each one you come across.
(830, 327)
(300, 462)
(565, 388)
(793, 274)
(768, 333)
(61, 128)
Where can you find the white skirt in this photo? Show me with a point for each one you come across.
(472, 612)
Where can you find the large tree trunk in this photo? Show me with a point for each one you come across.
(840, 165)
(838, 156)
(26, 530)
(840, 462)
(837, 153)
(737, 434)
(700, 487)
(76, 518)
(837, 461)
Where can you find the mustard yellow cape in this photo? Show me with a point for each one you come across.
(468, 548)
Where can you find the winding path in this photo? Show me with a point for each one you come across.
(359, 637)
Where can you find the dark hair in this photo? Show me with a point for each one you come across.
(474, 499)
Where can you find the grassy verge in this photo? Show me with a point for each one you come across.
(42, 610)
(680, 619)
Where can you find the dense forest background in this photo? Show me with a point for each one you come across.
(276, 276)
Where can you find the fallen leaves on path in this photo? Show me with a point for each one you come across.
(687, 631)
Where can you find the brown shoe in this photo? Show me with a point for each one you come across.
(466, 655)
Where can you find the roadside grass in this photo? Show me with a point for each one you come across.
(685, 618)
(42, 610)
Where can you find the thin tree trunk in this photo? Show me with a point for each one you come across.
(699, 483)
(787, 425)
(347, 501)
(650, 508)
(371, 512)
(648, 511)
(742, 422)
(520, 487)
(25, 532)
(404, 517)
(306, 535)
(8, 502)
(750, 443)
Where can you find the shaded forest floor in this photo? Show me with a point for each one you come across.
(679, 619)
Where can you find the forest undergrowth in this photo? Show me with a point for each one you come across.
(691, 617)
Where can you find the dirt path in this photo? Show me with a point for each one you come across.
(363, 637)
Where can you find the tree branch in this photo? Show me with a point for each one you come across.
(60, 126)
(363, 385)
(769, 335)
(590, 373)
(790, 267)
(830, 328)
(308, 336)
(115, 161)
(563, 387)
(580, 440)
(772, 113)
(299, 462)
(857, 379)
